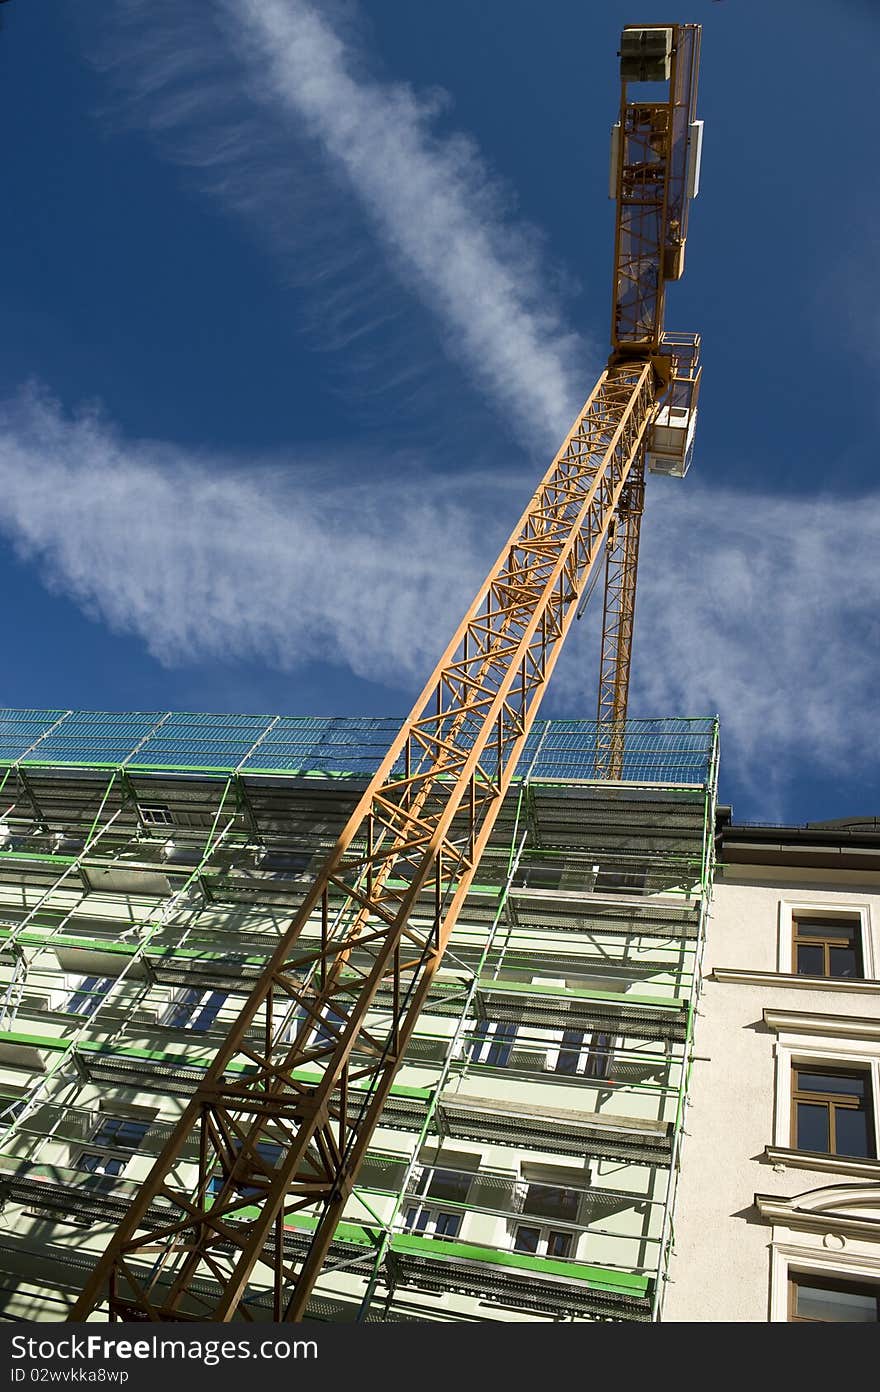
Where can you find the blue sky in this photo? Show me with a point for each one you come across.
(299, 298)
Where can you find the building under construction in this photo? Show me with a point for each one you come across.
(524, 1165)
(341, 1019)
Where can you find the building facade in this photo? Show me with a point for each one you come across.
(526, 1163)
(779, 1211)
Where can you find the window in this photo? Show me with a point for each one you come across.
(98, 1164)
(821, 1298)
(432, 1222)
(492, 1043)
(569, 1056)
(542, 1242)
(831, 1111)
(438, 1186)
(125, 1133)
(115, 1133)
(551, 1201)
(583, 1054)
(89, 993)
(452, 1186)
(156, 814)
(195, 1009)
(826, 947)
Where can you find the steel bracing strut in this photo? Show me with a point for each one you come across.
(342, 993)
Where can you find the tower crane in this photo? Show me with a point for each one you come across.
(284, 1115)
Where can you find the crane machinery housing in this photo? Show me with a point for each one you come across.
(282, 1119)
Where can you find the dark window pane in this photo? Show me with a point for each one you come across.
(812, 1127)
(416, 1219)
(852, 1132)
(450, 1186)
(853, 1306)
(500, 1049)
(550, 1202)
(810, 960)
(843, 961)
(209, 1011)
(122, 1132)
(89, 994)
(851, 1085)
(527, 1239)
(447, 1225)
(559, 1244)
(599, 1059)
(827, 929)
(570, 1052)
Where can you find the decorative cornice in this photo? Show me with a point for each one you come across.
(832, 1164)
(742, 975)
(787, 1213)
(831, 1026)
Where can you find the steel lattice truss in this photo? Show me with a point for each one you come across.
(621, 573)
(649, 241)
(344, 989)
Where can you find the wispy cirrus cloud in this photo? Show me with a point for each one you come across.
(274, 110)
(202, 559)
(764, 609)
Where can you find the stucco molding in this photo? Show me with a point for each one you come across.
(742, 976)
(860, 1027)
(819, 1210)
(833, 1164)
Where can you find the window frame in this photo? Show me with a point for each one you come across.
(432, 1215)
(795, 1276)
(587, 1052)
(827, 942)
(790, 909)
(545, 1232)
(491, 1042)
(110, 1152)
(197, 1008)
(834, 1102)
(269, 1151)
(820, 1041)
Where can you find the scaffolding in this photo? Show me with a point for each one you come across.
(526, 1161)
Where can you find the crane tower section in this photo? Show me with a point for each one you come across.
(656, 147)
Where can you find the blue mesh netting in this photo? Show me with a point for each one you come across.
(661, 750)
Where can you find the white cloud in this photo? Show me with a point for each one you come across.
(203, 560)
(232, 93)
(764, 609)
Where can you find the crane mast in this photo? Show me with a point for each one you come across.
(281, 1122)
(655, 169)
